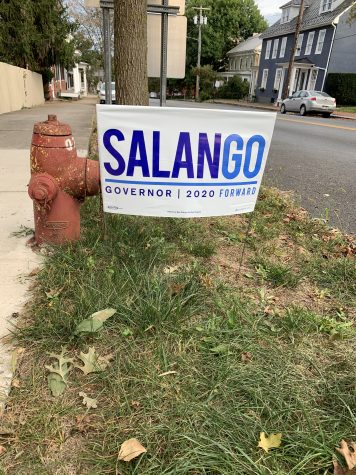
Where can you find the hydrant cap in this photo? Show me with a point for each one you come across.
(52, 127)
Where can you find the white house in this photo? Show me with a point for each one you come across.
(244, 61)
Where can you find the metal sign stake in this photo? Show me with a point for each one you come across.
(164, 45)
(107, 54)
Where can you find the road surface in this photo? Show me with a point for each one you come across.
(316, 159)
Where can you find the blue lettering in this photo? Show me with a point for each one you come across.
(138, 145)
(236, 157)
(261, 148)
(156, 172)
(118, 157)
(204, 150)
(183, 147)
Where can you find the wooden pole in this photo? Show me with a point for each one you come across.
(286, 87)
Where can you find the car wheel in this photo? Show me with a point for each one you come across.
(283, 109)
(303, 110)
(327, 115)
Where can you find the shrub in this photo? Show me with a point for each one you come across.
(235, 88)
(342, 86)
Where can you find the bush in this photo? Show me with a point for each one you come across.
(342, 86)
(235, 88)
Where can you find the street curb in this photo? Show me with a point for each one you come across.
(253, 105)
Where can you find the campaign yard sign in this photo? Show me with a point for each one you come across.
(183, 163)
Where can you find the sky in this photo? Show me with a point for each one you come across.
(269, 6)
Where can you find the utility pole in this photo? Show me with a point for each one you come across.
(199, 20)
(286, 87)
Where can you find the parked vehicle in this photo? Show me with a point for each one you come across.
(102, 93)
(153, 95)
(309, 101)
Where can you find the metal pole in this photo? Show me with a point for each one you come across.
(164, 47)
(107, 54)
(197, 83)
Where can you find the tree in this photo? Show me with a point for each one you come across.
(229, 21)
(352, 16)
(130, 26)
(35, 34)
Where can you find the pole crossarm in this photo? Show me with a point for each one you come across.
(169, 9)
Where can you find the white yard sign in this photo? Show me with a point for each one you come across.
(184, 163)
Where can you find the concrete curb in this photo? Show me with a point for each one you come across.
(254, 105)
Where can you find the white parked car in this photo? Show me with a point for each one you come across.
(309, 101)
(102, 93)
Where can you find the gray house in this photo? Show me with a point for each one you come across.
(326, 43)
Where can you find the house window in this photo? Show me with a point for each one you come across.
(283, 47)
(326, 5)
(240, 63)
(320, 43)
(310, 40)
(285, 15)
(268, 49)
(299, 44)
(264, 78)
(275, 48)
(277, 79)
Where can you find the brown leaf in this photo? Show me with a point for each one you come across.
(342, 471)
(16, 383)
(34, 272)
(246, 357)
(349, 453)
(135, 404)
(2, 450)
(131, 449)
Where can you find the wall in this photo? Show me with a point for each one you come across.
(320, 60)
(343, 55)
(19, 88)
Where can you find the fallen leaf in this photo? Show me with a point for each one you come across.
(271, 442)
(88, 401)
(53, 293)
(170, 269)
(338, 470)
(349, 453)
(93, 363)
(95, 322)
(246, 357)
(167, 373)
(131, 449)
(248, 275)
(2, 450)
(127, 332)
(59, 371)
(16, 383)
(135, 404)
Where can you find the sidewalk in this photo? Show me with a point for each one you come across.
(274, 108)
(16, 259)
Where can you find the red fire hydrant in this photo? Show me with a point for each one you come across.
(60, 180)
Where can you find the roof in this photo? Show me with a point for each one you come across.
(312, 19)
(294, 3)
(251, 44)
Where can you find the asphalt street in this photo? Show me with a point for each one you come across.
(316, 159)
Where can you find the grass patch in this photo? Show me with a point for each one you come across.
(347, 109)
(204, 357)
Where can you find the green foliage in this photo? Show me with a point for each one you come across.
(342, 86)
(235, 88)
(207, 81)
(229, 21)
(35, 34)
(352, 16)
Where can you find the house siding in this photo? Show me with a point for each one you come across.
(343, 55)
(320, 61)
